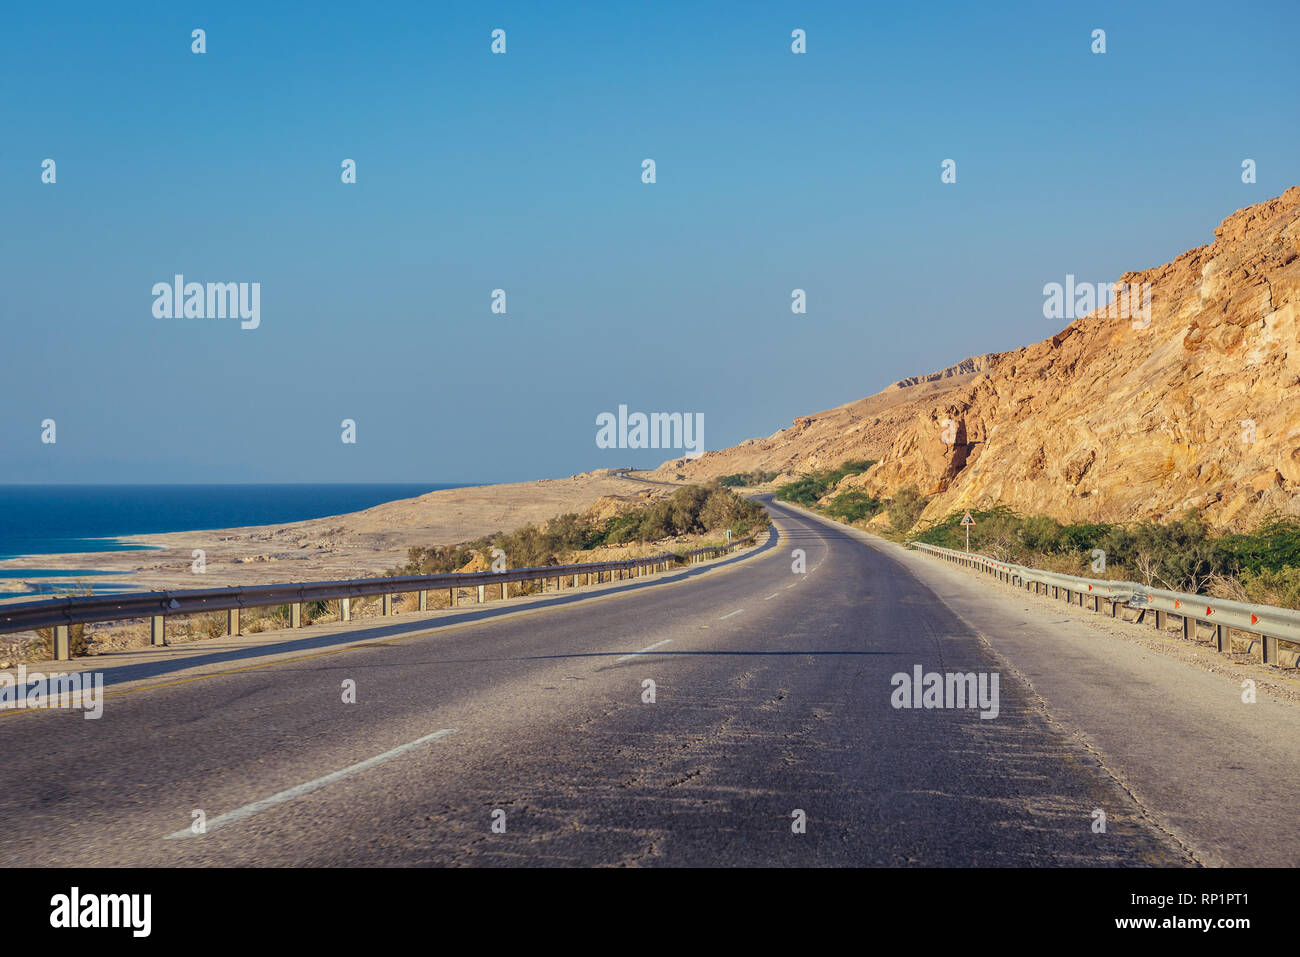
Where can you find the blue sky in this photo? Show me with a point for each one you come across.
(522, 171)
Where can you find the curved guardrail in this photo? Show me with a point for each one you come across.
(60, 613)
(1270, 623)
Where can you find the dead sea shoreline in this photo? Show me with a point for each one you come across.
(353, 544)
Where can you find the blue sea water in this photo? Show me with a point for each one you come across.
(52, 519)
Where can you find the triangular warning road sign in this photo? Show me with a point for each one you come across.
(967, 520)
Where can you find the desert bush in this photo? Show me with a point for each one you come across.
(905, 508)
(809, 489)
(1184, 554)
(692, 509)
(854, 505)
(1274, 544)
(1279, 586)
(741, 479)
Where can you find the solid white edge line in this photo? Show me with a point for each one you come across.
(729, 614)
(248, 810)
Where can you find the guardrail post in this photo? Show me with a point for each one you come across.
(575, 579)
(1222, 642)
(424, 600)
(232, 621)
(388, 605)
(156, 630)
(1160, 619)
(505, 590)
(1189, 627)
(62, 643)
(1268, 650)
(451, 598)
(481, 597)
(295, 615)
(345, 609)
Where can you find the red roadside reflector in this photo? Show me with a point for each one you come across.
(1254, 619)
(1177, 602)
(1209, 610)
(1089, 588)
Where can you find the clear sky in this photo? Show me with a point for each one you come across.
(523, 172)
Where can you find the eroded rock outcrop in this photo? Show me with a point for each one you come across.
(1118, 418)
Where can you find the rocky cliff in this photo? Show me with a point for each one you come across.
(1124, 414)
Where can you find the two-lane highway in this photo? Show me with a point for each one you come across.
(539, 739)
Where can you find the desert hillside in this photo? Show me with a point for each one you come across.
(864, 428)
(1111, 419)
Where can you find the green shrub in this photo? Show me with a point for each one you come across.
(806, 491)
(1275, 544)
(741, 479)
(1280, 586)
(854, 505)
(1184, 554)
(905, 508)
(692, 509)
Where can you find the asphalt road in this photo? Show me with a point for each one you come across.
(772, 694)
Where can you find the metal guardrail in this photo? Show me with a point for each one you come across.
(61, 613)
(1271, 624)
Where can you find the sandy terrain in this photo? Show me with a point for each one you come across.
(343, 546)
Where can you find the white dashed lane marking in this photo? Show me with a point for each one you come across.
(248, 810)
(657, 644)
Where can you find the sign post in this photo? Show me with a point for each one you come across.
(967, 522)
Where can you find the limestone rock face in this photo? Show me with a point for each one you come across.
(1117, 418)
(864, 429)
(973, 364)
(1120, 416)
